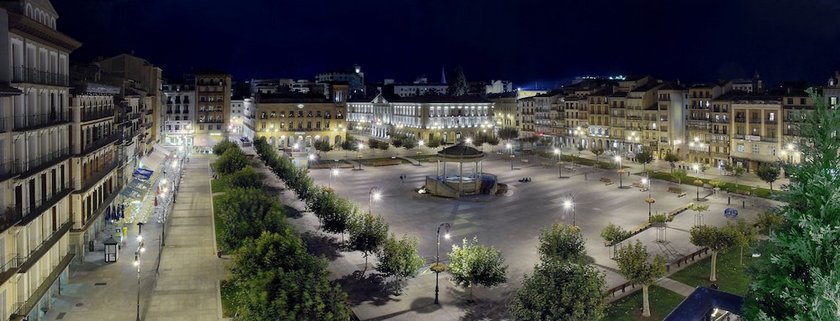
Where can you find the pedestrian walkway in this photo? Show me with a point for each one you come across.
(676, 286)
(109, 291)
(188, 283)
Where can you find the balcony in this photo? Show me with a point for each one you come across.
(149, 111)
(755, 121)
(38, 164)
(94, 145)
(34, 76)
(9, 218)
(740, 119)
(147, 125)
(31, 122)
(9, 169)
(88, 115)
(97, 176)
(134, 115)
(770, 121)
(23, 308)
(3, 128)
(29, 214)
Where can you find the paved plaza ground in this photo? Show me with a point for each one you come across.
(510, 223)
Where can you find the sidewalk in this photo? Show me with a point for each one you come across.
(187, 288)
(108, 291)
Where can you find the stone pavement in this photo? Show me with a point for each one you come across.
(676, 286)
(510, 223)
(188, 284)
(108, 291)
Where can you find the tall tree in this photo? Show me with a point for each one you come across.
(736, 171)
(508, 133)
(680, 175)
(247, 177)
(717, 239)
(275, 279)
(768, 173)
(458, 83)
(232, 160)
(633, 264)
(560, 290)
(598, 151)
(474, 264)
(672, 159)
(561, 242)
(245, 214)
(367, 233)
(399, 257)
(644, 157)
(796, 277)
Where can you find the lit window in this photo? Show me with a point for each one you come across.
(741, 148)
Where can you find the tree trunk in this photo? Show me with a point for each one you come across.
(713, 277)
(771, 186)
(365, 269)
(645, 301)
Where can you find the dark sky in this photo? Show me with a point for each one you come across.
(521, 40)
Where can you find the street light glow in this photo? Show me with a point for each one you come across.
(644, 180)
(421, 142)
(361, 146)
(139, 238)
(335, 171)
(617, 158)
(377, 195)
(469, 140)
(295, 146)
(508, 146)
(447, 236)
(311, 157)
(136, 263)
(567, 204)
(556, 151)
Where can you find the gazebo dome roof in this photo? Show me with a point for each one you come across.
(461, 151)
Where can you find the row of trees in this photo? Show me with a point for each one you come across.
(272, 275)
(368, 233)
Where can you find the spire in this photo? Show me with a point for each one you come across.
(442, 75)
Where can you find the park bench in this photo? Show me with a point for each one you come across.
(607, 181)
(638, 184)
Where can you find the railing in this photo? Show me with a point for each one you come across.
(9, 169)
(149, 111)
(133, 115)
(27, 215)
(34, 76)
(88, 115)
(3, 125)
(40, 120)
(770, 121)
(98, 175)
(37, 164)
(23, 308)
(94, 145)
(740, 119)
(9, 218)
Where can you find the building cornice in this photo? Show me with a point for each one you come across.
(21, 24)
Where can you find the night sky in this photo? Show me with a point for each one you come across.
(521, 40)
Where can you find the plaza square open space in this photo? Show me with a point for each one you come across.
(511, 223)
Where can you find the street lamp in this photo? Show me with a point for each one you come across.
(650, 200)
(333, 172)
(439, 267)
(570, 204)
(559, 154)
(359, 149)
(469, 141)
(620, 171)
(510, 147)
(140, 250)
(421, 143)
(696, 168)
(373, 195)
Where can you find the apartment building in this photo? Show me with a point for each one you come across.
(796, 104)
(756, 127)
(141, 80)
(35, 149)
(525, 108)
(295, 119)
(447, 118)
(504, 111)
(698, 127)
(178, 114)
(598, 130)
(672, 101)
(212, 92)
(94, 166)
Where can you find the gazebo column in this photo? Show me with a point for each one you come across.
(437, 172)
(460, 178)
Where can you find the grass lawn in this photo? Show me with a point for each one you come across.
(740, 188)
(218, 222)
(730, 274)
(227, 298)
(219, 185)
(629, 308)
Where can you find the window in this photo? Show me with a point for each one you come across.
(802, 101)
(773, 151)
(832, 101)
(755, 148)
(740, 147)
(200, 127)
(790, 101)
(771, 116)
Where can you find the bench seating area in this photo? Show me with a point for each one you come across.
(676, 190)
(607, 181)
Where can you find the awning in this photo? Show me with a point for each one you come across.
(143, 174)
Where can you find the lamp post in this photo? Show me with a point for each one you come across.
(510, 147)
(620, 182)
(438, 267)
(649, 200)
(137, 253)
(373, 195)
(570, 204)
(333, 171)
(359, 149)
(559, 154)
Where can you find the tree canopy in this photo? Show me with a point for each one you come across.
(474, 264)
(560, 291)
(246, 213)
(796, 277)
(768, 173)
(561, 242)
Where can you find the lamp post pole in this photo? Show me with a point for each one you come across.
(140, 250)
(372, 194)
(510, 147)
(570, 204)
(437, 257)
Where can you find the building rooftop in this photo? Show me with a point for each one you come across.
(647, 87)
(292, 97)
(460, 150)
